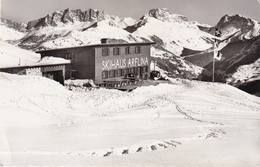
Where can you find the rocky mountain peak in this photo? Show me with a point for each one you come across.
(159, 13)
(246, 27)
(11, 24)
(164, 14)
(66, 16)
(236, 20)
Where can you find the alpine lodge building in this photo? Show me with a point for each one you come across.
(106, 62)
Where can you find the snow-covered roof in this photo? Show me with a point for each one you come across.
(46, 61)
(12, 56)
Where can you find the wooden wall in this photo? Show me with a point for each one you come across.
(84, 61)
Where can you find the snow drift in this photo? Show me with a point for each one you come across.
(44, 121)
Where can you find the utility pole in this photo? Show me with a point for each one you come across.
(213, 62)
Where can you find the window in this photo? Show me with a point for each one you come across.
(127, 50)
(73, 74)
(117, 73)
(116, 51)
(144, 69)
(132, 70)
(105, 51)
(70, 56)
(104, 74)
(121, 72)
(124, 72)
(137, 49)
(111, 74)
(137, 70)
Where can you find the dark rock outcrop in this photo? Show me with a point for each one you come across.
(11, 24)
(66, 16)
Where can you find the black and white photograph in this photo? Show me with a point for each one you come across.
(130, 83)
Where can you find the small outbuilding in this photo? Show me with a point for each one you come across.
(50, 67)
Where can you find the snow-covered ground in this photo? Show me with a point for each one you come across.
(71, 35)
(182, 123)
(246, 73)
(176, 31)
(12, 56)
(9, 33)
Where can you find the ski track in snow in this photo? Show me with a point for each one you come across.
(146, 146)
(156, 104)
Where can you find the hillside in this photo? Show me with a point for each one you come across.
(11, 31)
(42, 120)
(75, 28)
(175, 31)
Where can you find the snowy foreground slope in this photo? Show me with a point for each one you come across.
(182, 123)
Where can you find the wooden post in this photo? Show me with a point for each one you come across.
(213, 62)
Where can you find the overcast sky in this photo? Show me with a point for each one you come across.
(204, 11)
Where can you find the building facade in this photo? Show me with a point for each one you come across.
(54, 71)
(105, 62)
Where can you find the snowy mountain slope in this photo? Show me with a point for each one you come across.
(9, 31)
(43, 122)
(13, 56)
(234, 55)
(173, 66)
(61, 18)
(246, 27)
(233, 28)
(176, 31)
(239, 46)
(246, 73)
(120, 22)
(90, 35)
(75, 28)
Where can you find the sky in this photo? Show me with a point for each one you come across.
(203, 11)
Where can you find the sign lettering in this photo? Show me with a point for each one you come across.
(124, 63)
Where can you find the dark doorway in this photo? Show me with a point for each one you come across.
(55, 75)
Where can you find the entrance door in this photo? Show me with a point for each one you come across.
(55, 75)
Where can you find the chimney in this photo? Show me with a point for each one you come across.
(104, 40)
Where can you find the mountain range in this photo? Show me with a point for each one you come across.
(184, 48)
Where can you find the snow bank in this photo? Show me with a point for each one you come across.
(12, 56)
(46, 122)
(30, 100)
(80, 83)
(46, 96)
